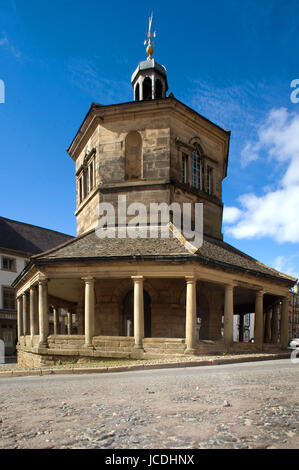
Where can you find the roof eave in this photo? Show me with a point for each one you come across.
(289, 281)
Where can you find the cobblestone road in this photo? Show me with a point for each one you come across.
(251, 405)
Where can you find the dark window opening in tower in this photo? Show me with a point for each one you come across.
(147, 88)
(158, 89)
(137, 94)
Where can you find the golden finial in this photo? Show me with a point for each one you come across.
(150, 49)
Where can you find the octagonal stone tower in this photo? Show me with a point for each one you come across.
(154, 149)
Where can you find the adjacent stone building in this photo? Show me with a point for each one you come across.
(147, 296)
(294, 313)
(18, 241)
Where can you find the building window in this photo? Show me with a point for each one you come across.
(80, 190)
(91, 176)
(197, 171)
(185, 168)
(210, 180)
(9, 302)
(86, 180)
(8, 264)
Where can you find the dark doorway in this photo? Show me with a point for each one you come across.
(128, 314)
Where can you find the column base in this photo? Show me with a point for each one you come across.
(88, 346)
(138, 347)
(190, 352)
(43, 344)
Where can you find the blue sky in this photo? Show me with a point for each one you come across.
(231, 61)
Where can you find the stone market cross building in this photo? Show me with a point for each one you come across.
(147, 297)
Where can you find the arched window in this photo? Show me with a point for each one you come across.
(158, 89)
(137, 94)
(147, 88)
(133, 152)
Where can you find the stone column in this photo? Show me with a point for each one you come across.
(33, 311)
(268, 326)
(284, 323)
(190, 315)
(138, 311)
(274, 326)
(69, 323)
(89, 311)
(20, 317)
(25, 315)
(43, 310)
(259, 320)
(228, 315)
(56, 320)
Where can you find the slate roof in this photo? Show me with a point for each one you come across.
(28, 239)
(88, 247)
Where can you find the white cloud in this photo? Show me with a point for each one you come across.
(231, 214)
(249, 154)
(276, 213)
(287, 265)
(5, 43)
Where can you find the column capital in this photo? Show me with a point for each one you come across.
(137, 278)
(230, 286)
(260, 293)
(190, 279)
(88, 279)
(42, 280)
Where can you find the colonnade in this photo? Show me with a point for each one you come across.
(39, 310)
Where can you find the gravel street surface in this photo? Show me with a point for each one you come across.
(248, 405)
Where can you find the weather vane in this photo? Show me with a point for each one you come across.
(150, 49)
